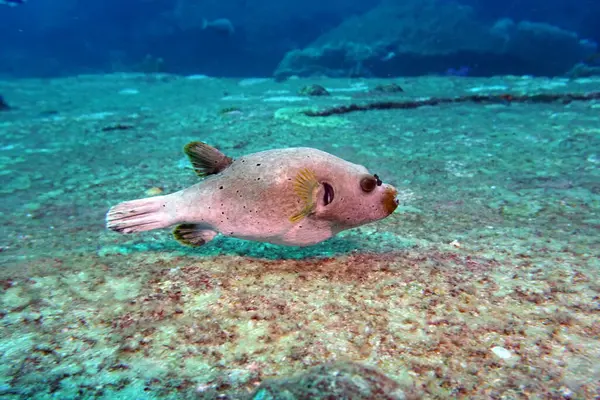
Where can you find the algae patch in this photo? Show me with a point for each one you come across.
(296, 115)
(19, 182)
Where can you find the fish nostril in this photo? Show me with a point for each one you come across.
(379, 181)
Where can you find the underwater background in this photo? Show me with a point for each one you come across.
(483, 284)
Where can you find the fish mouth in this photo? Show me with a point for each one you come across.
(390, 200)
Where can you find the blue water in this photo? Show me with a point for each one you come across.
(50, 38)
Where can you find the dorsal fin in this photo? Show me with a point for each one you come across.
(205, 159)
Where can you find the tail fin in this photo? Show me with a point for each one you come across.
(139, 215)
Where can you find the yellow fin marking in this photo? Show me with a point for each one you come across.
(304, 186)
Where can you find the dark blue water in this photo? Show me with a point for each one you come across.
(54, 37)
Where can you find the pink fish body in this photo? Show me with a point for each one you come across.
(294, 196)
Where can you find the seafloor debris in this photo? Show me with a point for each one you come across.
(505, 98)
(117, 127)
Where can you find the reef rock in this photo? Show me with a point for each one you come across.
(333, 381)
(418, 37)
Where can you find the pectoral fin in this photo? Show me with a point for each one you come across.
(193, 235)
(305, 185)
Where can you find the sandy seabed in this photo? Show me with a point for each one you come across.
(484, 284)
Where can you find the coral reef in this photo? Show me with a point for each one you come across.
(430, 36)
(582, 70)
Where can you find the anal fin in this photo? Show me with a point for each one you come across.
(193, 235)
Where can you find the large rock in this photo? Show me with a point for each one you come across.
(418, 37)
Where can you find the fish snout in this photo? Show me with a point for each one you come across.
(390, 199)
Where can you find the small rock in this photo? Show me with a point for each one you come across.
(313, 90)
(154, 191)
(230, 110)
(3, 104)
(388, 88)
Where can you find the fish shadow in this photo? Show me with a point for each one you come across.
(337, 246)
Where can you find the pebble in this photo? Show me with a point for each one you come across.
(501, 352)
(154, 191)
(129, 91)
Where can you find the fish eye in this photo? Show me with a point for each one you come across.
(328, 193)
(368, 183)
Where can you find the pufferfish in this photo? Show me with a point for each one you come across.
(292, 196)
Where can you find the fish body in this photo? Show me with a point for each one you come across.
(12, 3)
(293, 196)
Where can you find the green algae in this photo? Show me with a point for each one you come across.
(16, 183)
(524, 208)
